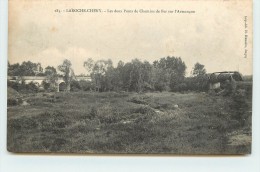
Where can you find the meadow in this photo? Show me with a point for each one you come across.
(136, 123)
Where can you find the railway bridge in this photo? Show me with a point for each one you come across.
(38, 80)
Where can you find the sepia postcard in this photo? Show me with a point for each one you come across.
(130, 77)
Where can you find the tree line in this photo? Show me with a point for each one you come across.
(165, 74)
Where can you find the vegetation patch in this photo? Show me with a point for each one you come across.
(111, 123)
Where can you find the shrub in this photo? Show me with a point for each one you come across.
(160, 86)
(14, 101)
(75, 86)
(22, 87)
(86, 85)
(31, 87)
(139, 99)
(50, 121)
(46, 85)
(15, 85)
(107, 114)
(240, 105)
(93, 113)
(180, 87)
(147, 87)
(239, 97)
(196, 83)
(18, 124)
(143, 110)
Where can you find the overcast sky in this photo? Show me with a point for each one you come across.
(214, 35)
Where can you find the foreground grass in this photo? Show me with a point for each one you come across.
(83, 122)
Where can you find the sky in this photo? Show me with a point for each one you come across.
(214, 35)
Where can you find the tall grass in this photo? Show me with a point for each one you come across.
(84, 122)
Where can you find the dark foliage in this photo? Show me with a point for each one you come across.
(25, 69)
(22, 87)
(14, 101)
(165, 74)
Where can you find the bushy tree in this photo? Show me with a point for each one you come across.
(86, 85)
(14, 69)
(98, 70)
(23, 87)
(27, 68)
(199, 81)
(198, 69)
(171, 72)
(136, 75)
(51, 76)
(68, 73)
(75, 85)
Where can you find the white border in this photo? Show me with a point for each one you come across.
(13, 163)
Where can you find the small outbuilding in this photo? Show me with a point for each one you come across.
(223, 76)
(224, 80)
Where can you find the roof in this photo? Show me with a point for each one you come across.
(222, 76)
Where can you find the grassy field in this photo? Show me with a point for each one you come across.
(172, 123)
